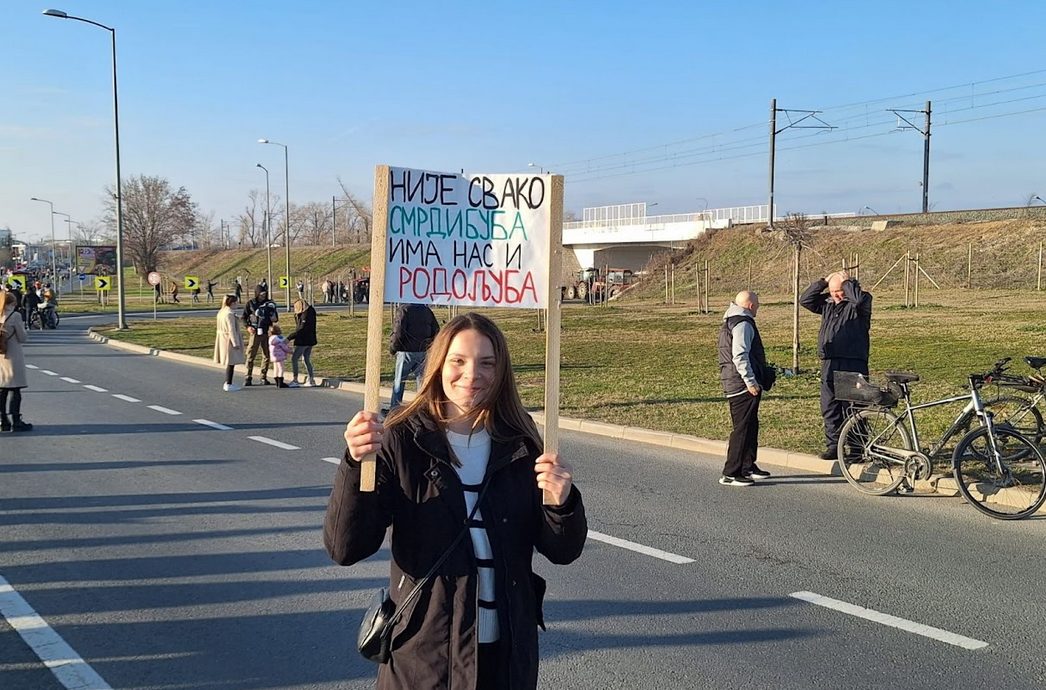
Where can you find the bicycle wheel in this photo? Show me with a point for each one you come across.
(864, 444)
(1020, 414)
(1009, 487)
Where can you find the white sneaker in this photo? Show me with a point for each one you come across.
(309, 384)
(293, 384)
(230, 387)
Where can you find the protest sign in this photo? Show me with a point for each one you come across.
(99, 260)
(491, 240)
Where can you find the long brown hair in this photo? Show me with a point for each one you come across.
(500, 409)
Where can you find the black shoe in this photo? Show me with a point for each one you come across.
(757, 473)
(266, 382)
(736, 481)
(5, 424)
(247, 382)
(829, 454)
(19, 425)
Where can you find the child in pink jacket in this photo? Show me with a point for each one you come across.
(278, 351)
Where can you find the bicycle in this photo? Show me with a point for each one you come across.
(998, 470)
(1021, 413)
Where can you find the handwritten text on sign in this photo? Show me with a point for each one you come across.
(475, 240)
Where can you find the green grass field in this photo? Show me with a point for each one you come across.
(654, 366)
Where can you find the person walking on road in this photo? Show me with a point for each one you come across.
(238, 289)
(412, 330)
(12, 365)
(842, 343)
(300, 287)
(744, 374)
(174, 293)
(210, 290)
(259, 314)
(228, 342)
(460, 474)
(304, 338)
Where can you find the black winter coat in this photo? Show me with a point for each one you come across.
(844, 326)
(413, 329)
(420, 495)
(304, 332)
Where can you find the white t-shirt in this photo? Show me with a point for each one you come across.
(474, 452)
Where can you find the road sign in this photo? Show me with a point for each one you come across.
(283, 282)
(18, 280)
(82, 277)
(154, 278)
(191, 282)
(102, 283)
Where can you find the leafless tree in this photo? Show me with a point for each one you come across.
(155, 216)
(252, 221)
(314, 221)
(359, 217)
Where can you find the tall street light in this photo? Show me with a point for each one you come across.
(68, 219)
(287, 202)
(268, 230)
(54, 265)
(121, 320)
(535, 165)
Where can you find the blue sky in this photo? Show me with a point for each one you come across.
(626, 99)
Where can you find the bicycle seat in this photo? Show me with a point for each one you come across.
(900, 376)
(1036, 362)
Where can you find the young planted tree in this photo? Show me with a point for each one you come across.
(797, 233)
(155, 216)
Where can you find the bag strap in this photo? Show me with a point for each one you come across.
(409, 599)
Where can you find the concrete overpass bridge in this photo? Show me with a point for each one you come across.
(624, 236)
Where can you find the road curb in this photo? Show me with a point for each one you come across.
(771, 456)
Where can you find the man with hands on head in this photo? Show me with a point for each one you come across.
(463, 452)
(842, 342)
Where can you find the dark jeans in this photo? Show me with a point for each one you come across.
(301, 352)
(228, 373)
(744, 438)
(831, 409)
(490, 674)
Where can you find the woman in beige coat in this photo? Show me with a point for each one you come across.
(12, 365)
(228, 341)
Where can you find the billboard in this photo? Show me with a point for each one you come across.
(99, 259)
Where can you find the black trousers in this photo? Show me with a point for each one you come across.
(490, 674)
(744, 438)
(831, 409)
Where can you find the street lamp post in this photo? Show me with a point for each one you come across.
(121, 321)
(268, 230)
(68, 219)
(69, 223)
(54, 264)
(287, 203)
(535, 165)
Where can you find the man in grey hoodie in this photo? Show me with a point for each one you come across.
(743, 373)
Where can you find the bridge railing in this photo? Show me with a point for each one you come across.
(735, 214)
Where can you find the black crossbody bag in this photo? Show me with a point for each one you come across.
(374, 640)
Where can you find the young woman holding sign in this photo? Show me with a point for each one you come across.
(463, 455)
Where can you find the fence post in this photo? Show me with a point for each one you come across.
(969, 266)
(915, 302)
(1038, 283)
(907, 277)
(795, 310)
(666, 283)
(707, 309)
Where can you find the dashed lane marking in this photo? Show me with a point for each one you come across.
(273, 442)
(639, 548)
(69, 380)
(49, 372)
(96, 389)
(333, 461)
(165, 410)
(67, 666)
(213, 425)
(125, 398)
(891, 621)
(31, 366)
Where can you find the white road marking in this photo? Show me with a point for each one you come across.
(66, 665)
(96, 389)
(49, 372)
(125, 398)
(892, 621)
(213, 425)
(165, 410)
(272, 442)
(639, 548)
(333, 461)
(31, 366)
(69, 380)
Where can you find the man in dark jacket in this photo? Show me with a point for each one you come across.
(743, 373)
(259, 314)
(842, 343)
(412, 332)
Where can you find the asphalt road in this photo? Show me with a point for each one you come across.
(171, 554)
